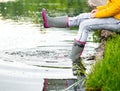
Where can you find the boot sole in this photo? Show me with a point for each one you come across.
(44, 18)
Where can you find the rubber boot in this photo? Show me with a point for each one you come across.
(59, 22)
(78, 68)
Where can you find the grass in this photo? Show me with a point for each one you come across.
(105, 75)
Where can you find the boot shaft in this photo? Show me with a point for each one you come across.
(77, 50)
(59, 22)
(77, 66)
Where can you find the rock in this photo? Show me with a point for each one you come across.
(105, 34)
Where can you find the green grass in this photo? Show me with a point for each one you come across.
(105, 74)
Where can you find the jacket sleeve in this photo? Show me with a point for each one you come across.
(108, 11)
(101, 7)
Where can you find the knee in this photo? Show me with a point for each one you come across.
(85, 25)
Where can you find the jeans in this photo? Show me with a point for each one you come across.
(87, 24)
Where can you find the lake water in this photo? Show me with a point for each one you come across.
(29, 53)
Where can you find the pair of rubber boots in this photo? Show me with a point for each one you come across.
(77, 48)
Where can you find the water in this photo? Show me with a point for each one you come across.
(28, 52)
(28, 55)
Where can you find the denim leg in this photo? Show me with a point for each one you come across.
(75, 21)
(96, 24)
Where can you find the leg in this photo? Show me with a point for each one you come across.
(84, 28)
(77, 48)
(75, 21)
(63, 21)
(96, 24)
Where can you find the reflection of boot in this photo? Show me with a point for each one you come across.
(78, 68)
(60, 22)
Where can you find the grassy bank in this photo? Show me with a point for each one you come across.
(105, 75)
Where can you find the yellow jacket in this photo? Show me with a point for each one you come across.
(111, 9)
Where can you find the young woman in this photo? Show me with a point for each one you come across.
(103, 17)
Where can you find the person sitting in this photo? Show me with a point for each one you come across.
(105, 17)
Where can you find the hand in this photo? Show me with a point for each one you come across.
(93, 12)
(92, 15)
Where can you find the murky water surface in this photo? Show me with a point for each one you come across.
(29, 53)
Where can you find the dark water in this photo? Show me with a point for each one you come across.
(29, 10)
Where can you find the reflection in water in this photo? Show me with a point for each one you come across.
(64, 84)
(58, 84)
(37, 54)
(27, 53)
(22, 9)
(45, 54)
